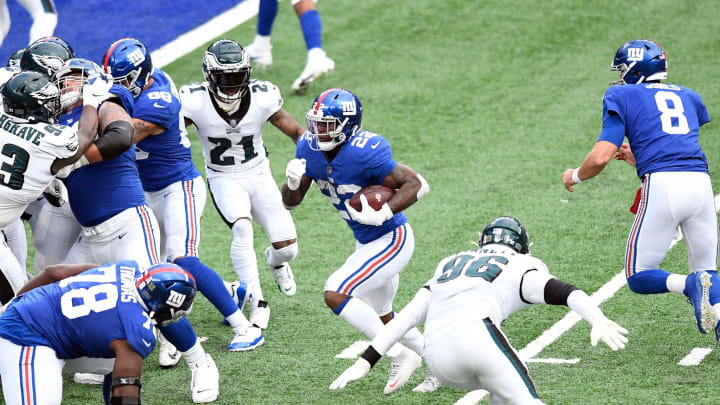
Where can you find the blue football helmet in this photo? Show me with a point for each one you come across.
(71, 77)
(639, 61)
(46, 55)
(167, 293)
(506, 231)
(334, 118)
(128, 62)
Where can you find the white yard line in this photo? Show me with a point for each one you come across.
(695, 357)
(555, 361)
(568, 321)
(197, 37)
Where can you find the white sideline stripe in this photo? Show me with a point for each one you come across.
(695, 357)
(555, 361)
(196, 37)
(567, 322)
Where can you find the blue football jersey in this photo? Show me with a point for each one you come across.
(81, 315)
(100, 190)
(364, 161)
(662, 123)
(165, 158)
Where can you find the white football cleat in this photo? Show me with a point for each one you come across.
(168, 355)
(401, 368)
(239, 292)
(205, 382)
(260, 314)
(317, 65)
(252, 338)
(260, 55)
(431, 384)
(283, 275)
(88, 378)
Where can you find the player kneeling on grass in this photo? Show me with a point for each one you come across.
(465, 302)
(76, 311)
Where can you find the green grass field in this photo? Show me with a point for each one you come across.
(491, 101)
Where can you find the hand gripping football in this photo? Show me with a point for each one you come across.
(377, 196)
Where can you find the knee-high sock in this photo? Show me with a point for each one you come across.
(209, 284)
(243, 257)
(312, 29)
(266, 16)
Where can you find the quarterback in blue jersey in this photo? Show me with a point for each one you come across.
(173, 187)
(341, 159)
(661, 122)
(56, 315)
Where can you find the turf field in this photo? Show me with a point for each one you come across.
(491, 101)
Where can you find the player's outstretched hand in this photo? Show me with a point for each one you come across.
(353, 373)
(609, 332)
(96, 90)
(294, 172)
(624, 153)
(568, 181)
(368, 216)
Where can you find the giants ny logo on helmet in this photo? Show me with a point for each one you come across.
(636, 54)
(348, 107)
(175, 299)
(136, 57)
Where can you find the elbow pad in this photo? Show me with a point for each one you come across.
(116, 139)
(557, 292)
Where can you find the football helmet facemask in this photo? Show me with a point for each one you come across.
(46, 55)
(33, 97)
(71, 77)
(639, 61)
(167, 293)
(226, 67)
(506, 231)
(128, 61)
(335, 116)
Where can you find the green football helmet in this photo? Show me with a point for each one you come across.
(506, 231)
(46, 55)
(226, 67)
(31, 96)
(14, 59)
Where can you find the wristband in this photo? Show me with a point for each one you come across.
(575, 177)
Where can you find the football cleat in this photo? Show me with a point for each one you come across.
(252, 338)
(205, 382)
(317, 65)
(260, 55)
(88, 378)
(697, 289)
(401, 368)
(239, 293)
(431, 384)
(283, 276)
(260, 314)
(168, 355)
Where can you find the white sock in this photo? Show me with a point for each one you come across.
(195, 355)
(361, 317)
(262, 41)
(414, 340)
(238, 322)
(676, 283)
(315, 53)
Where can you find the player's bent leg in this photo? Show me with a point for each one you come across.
(277, 256)
(260, 49)
(168, 355)
(12, 276)
(30, 374)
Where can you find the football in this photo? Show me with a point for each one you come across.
(376, 195)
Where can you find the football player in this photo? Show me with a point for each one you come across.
(342, 159)
(173, 187)
(662, 123)
(116, 222)
(317, 64)
(463, 305)
(56, 316)
(229, 111)
(43, 14)
(34, 149)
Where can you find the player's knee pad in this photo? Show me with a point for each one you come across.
(648, 282)
(276, 257)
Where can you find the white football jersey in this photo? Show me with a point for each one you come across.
(230, 148)
(470, 286)
(27, 152)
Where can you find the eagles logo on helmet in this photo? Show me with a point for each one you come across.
(31, 96)
(46, 55)
(506, 231)
(335, 116)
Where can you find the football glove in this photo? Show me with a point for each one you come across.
(96, 90)
(609, 332)
(353, 373)
(368, 216)
(294, 172)
(56, 193)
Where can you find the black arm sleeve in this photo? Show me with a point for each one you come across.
(557, 292)
(116, 139)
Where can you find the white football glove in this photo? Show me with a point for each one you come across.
(96, 90)
(609, 332)
(294, 172)
(56, 193)
(368, 216)
(353, 373)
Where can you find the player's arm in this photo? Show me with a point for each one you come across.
(54, 274)
(285, 122)
(297, 185)
(412, 315)
(540, 287)
(143, 129)
(87, 128)
(410, 187)
(125, 385)
(116, 133)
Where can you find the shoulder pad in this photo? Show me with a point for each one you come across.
(59, 140)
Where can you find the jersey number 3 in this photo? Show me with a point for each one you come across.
(672, 113)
